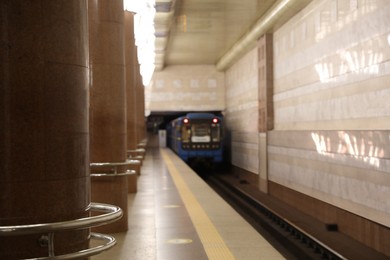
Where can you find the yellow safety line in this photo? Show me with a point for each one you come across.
(212, 241)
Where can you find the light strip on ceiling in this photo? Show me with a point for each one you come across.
(259, 28)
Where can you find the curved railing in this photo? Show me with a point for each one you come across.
(112, 213)
(138, 153)
(138, 150)
(114, 170)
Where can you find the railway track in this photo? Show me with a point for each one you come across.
(289, 239)
(295, 234)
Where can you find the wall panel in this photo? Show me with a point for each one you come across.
(186, 88)
(241, 82)
(333, 73)
(330, 144)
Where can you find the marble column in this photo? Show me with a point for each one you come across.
(44, 136)
(131, 81)
(142, 118)
(138, 152)
(140, 106)
(266, 112)
(108, 104)
(130, 60)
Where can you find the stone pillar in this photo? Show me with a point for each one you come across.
(134, 151)
(141, 134)
(44, 138)
(131, 81)
(130, 60)
(266, 113)
(108, 103)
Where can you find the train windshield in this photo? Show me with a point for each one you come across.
(200, 133)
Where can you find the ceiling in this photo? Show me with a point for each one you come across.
(216, 32)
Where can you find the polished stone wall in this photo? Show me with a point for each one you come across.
(332, 113)
(335, 167)
(332, 67)
(241, 83)
(244, 150)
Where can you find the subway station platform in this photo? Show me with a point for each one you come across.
(175, 215)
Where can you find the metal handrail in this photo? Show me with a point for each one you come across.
(134, 157)
(137, 150)
(104, 164)
(133, 161)
(105, 174)
(112, 213)
(110, 242)
(114, 170)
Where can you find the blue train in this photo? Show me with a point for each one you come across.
(197, 136)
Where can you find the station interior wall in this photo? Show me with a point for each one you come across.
(331, 137)
(186, 88)
(329, 151)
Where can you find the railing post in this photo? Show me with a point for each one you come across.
(50, 244)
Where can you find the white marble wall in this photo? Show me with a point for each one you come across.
(244, 150)
(331, 74)
(241, 83)
(186, 88)
(332, 67)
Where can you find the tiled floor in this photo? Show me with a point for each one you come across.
(162, 226)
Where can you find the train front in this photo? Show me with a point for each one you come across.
(201, 137)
